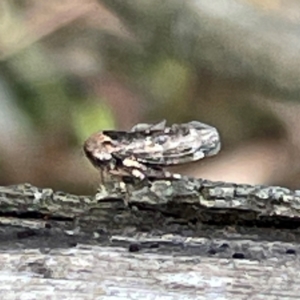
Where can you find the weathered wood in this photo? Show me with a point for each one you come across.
(53, 244)
(92, 272)
(185, 198)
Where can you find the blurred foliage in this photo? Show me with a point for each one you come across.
(88, 119)
(76, 67)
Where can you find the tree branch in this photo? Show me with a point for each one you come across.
(187, 198)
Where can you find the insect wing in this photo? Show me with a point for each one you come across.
(145, 127)
(172, 145)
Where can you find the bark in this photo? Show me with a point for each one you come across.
(182, 239)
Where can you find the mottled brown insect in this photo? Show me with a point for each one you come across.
(143, 151)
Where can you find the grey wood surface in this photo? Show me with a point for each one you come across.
(150, 250)
(95, 272)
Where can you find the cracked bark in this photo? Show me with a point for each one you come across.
(193, 225)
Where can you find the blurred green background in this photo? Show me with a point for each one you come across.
(70, 68)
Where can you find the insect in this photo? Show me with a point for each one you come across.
(146, 149)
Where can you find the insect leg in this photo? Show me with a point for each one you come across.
(102, 186)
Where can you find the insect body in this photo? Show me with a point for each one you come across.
(143, 151)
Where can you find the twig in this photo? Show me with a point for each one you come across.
(184, 198)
